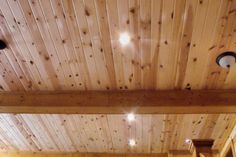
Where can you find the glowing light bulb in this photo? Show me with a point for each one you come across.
(132, 142)
(124, 38)
(131, 117)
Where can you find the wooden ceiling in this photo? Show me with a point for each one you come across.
(74, 44)
(110, 133)
(55, 45)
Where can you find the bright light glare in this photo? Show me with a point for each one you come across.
(131, 117)
(132, 142)
(187, 141)
(124, 38)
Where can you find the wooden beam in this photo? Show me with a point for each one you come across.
(229, 143)
(179, 153)
(68, 154)
(203, 147)
(142, 102)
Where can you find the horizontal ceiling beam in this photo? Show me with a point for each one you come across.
(70, 154)
(171, 153)
(112, 102)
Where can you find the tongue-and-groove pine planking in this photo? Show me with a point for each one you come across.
(110, 133)
(74, 45)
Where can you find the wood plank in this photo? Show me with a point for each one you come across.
(101, 9)
(108, 133)
(185, 44)
(11, 27)
(67, 42)
(126, 50)
(228, 142)
(203, 147)
(99, 57)
(134, 28)
(217, 77)
(211, 101)
(192, 79)
(59, 42)
(112, 11)
(43, 43)
(75, 36)
(74, 44)
(56, 154)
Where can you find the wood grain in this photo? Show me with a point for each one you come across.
(211, 101)
(74, 45)
(109, 133)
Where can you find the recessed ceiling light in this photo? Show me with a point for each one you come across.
(124, 38)
(187, 141)
(132, 142)
(131, 117)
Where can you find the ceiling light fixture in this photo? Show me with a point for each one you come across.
(132, 142)
(124, 38)
(187, 141)
(131, 117)
(3, 45)
(226, 59)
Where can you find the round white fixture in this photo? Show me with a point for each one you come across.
(187, 141)
(226, 59)
(131, 117)
(132, 142)
(124, 38)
